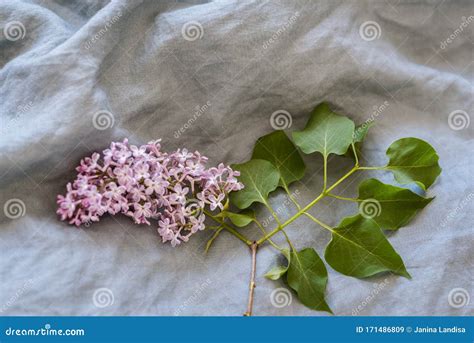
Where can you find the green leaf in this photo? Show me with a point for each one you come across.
(278, 149)
(240, 219)
(359, 248)
(259, 177)
(278, 271)
(325, 132)
(308, 276)
(413, 160)
(390, 206)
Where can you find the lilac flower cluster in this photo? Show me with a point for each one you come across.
(146, 184)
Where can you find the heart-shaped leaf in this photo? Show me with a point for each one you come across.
(260, 178)
(390, 206)
(325, 132)
(413, 160)
(308, 276)
(359, 248)
(277, 148)
(278, 271)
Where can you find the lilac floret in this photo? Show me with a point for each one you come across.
(147, 185)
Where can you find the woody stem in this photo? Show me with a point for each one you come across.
(253, 249)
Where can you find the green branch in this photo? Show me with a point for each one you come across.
(307, 207)
(262, 229)
(279, 225)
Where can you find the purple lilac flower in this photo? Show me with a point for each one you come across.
(146, 184)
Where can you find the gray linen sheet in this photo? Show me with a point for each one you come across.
(208, 76)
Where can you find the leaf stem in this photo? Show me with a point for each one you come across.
(316, 220)
(373, 168)
(252, 285)
(325, 177)
(292, 247)
(229, 229)
(343, 198)
(267, 205)
(298, 206)
(355, 154)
